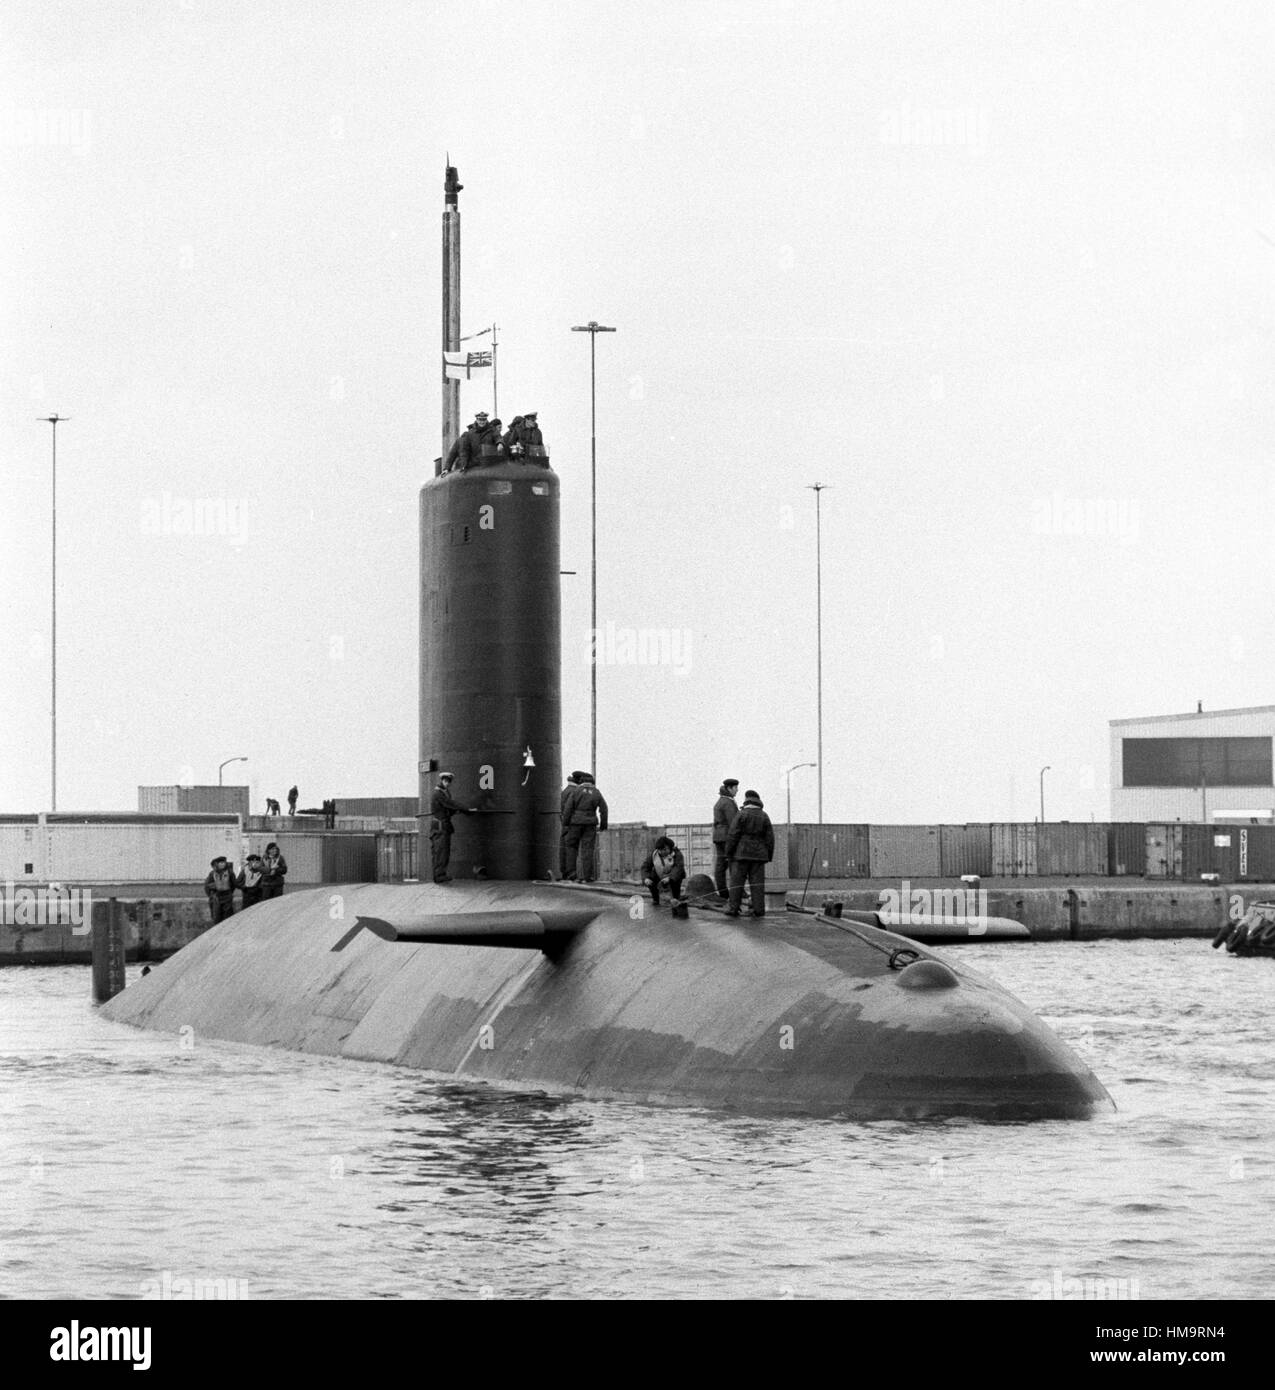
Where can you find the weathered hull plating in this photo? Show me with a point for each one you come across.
(787, 1015)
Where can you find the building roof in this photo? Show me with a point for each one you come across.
(1194, 714)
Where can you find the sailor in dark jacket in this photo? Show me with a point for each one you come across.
(251, 881)
(522, 435)
(725, 810)
(572, 783)
(586, 812)
(664, 867)
(274, 868)
(750, 847)
(442, 808)
(467, 451)
(220, 888)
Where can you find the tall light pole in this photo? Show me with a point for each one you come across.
(53, 709)
(788, 784)
(593, 328)
(227, 764)
(1042, 793)
(817, 488)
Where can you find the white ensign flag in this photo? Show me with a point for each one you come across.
(462, 366)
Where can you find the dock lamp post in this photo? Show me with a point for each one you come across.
(817, 489)
(54, 420)
(1042, 793)
(788, 784)
(593, 328)
(227, 764)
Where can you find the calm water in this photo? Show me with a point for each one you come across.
(125, 1160)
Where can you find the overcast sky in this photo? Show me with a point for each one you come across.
(998, 274)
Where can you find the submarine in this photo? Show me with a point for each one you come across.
(505, 976)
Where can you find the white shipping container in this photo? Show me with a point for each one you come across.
(159, 800)
(21, 845)
(119, 852)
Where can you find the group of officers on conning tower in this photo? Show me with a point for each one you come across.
(483, 444)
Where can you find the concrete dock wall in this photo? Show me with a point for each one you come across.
(154, 928)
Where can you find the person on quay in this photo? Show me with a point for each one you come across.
(586, 810)
(274, 868)
(664, 867)
(725, 809)
(750, 847)
(573, 781)
(442, 808)
(220, 888)
(251, 881)
(292, 800)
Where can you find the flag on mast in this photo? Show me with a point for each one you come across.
(463, 366)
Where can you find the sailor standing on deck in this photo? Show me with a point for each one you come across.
(573, 781)
(750, 847)
(586, 812)
(442, 808)
(725, 810)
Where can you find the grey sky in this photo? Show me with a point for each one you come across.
(999, 274)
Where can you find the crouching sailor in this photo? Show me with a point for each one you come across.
(664, 867)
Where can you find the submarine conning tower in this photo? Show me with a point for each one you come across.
(491, 666)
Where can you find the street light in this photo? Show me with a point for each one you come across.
(788, 784)
(53, 712)
(817, 488)
(1042, 793)
(227, 764)
(593, 328)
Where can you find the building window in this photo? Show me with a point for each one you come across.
(1194, 762)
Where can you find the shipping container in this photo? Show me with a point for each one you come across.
(224, 800)
(696, 844)
(1013, 849)
(1127, 848)
(349, 859)
(162, 800)
(1256, 849)
(200, 800)
(1164, 850)
(904, 851)
(965, 849)
(622, 850)
(396, 857)
(1210, 849)
(1067, 850)
(136, 848)
(824, 851)
(378, 807)
(22, 850)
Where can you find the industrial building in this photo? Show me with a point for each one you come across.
(1208, 766)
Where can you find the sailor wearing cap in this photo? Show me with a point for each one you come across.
(467, 450)
(522, 434)
(442, 808)
(220, 888)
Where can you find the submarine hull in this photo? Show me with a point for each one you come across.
(792, 1016)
